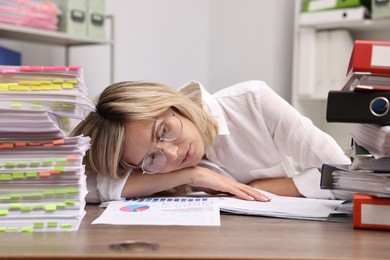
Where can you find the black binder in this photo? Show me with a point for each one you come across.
(358, 107)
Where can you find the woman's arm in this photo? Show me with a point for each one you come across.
(279, 186)
(139, 184)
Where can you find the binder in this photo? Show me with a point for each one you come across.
(334, 16)
(371, 212)
(358, 107)
(321, 5)
(371, 57)
(339, 177)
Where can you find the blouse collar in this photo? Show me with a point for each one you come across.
(195, 88)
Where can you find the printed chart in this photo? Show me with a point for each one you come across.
(183, 211)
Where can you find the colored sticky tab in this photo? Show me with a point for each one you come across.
(3, 87)
(15, 206)
(61, 205)
(16, 105)
(52, 224)
(18, 175)
(59, 168)
(44, 174)
(27, 229)
(70, 203)
(38, 207)
(48, 162)
(35, 163)
(26, 208)
(5, 177)
(10, 164)
(66, 226)
(50, 207)
(67, 85)
(2, 229)
(31, 174)
(20, 144)
(49, 192)
(39, 225)
(15, 196)
(36, 105)
(21, 164)
(59, 141)
(3, 212)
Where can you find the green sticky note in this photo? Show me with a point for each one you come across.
(59, 168)
(12, 228)
(3, 229)
(18, 175)
(52, 224)
(5, 177)
(50, 207)
(27, 229)
(35, 163)
(26, 208)
(69, 202)
(49, 192)
(38, 225)
(10, 165)
(31, 174)
(67, 226)
(3, 212)
(14, 206)
(15, 196)
(38, 207)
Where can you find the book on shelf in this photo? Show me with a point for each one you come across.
(370, 212)
(323, 5)
(42, 176)
(334, 16)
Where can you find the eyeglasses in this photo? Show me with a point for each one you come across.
(169, 130)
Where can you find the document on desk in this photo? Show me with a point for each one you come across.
(283, 207)
(181, 211)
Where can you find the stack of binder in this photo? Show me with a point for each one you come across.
(364, 102)
(42, 177)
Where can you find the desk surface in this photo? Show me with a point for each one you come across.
(238, 237)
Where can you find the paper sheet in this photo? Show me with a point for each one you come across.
(182, 211)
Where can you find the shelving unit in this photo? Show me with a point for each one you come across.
(27, 34)
(314, 106)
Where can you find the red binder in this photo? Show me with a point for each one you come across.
(372, 57)
(371, 212)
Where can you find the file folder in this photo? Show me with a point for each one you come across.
(358, 107)
(370, 212)
(372, 57)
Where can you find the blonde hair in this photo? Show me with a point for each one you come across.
(129, 101)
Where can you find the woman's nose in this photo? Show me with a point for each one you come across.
(169, 149)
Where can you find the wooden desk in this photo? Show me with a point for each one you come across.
(239, 237)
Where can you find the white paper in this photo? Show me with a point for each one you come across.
(283, 207)
(182, 211)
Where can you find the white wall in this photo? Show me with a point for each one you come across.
(218, 42)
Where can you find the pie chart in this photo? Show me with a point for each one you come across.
(134, 208)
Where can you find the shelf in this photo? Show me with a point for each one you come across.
(46, 37)
(353, 26)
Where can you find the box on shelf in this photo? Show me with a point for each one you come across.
(10, 57)
(73, 17)
(96, 19)
(380, 9)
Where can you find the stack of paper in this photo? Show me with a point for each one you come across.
(42, 180)
(39, 14)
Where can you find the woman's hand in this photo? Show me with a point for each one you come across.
(212, 182)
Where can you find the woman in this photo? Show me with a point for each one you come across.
(147, 138)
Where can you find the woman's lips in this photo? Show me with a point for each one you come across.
(187, 157)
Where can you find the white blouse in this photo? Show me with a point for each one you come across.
(261, 136)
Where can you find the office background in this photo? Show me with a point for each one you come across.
(218, 42)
